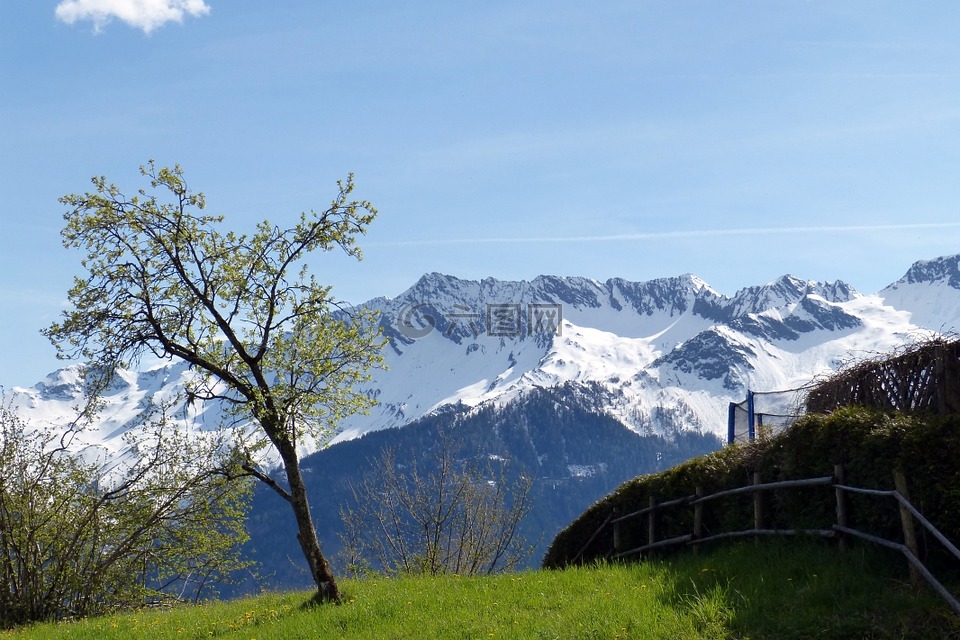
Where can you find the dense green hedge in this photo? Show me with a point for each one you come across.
(870, 444)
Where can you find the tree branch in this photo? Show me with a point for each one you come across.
(267, 480)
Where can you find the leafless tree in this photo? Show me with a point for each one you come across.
(450, 517)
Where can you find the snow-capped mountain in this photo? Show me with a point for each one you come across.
(664, 355)
(658, 356)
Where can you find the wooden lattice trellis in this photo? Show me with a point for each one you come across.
(925, 378)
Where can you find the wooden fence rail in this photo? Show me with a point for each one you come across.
(908, 514)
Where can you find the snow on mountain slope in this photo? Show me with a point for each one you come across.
(929, 292)
(56, 401)
(659, 356)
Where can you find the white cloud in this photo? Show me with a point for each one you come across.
(142, 14)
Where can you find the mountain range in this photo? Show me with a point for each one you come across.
(658, 361)
(658, 356)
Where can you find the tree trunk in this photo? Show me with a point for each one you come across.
(327, 590)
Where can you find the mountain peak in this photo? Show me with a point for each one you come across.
(930, 293)
(787, 290)
(945, 269)
(436, 281)
(64, 384)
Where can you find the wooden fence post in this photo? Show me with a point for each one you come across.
(652, 521)
(617, 541)
(757, 503)
(698, 520)
(941, 378)
(909, 533)
(839, 477)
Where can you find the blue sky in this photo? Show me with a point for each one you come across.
(735, 140)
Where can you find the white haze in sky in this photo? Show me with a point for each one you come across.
(659, 235)
(142, 14)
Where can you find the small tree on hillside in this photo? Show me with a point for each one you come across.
(243, 310)
(441, 516)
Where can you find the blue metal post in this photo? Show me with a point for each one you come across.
(751, 430)
(732, 423)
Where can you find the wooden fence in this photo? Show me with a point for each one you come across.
(840, 529)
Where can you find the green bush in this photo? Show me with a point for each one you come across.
(74, 542)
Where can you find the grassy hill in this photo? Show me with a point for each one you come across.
(783, 589)
(805, 589)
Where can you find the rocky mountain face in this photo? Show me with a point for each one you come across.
(581, 383)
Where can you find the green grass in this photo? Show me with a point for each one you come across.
(783, 590)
